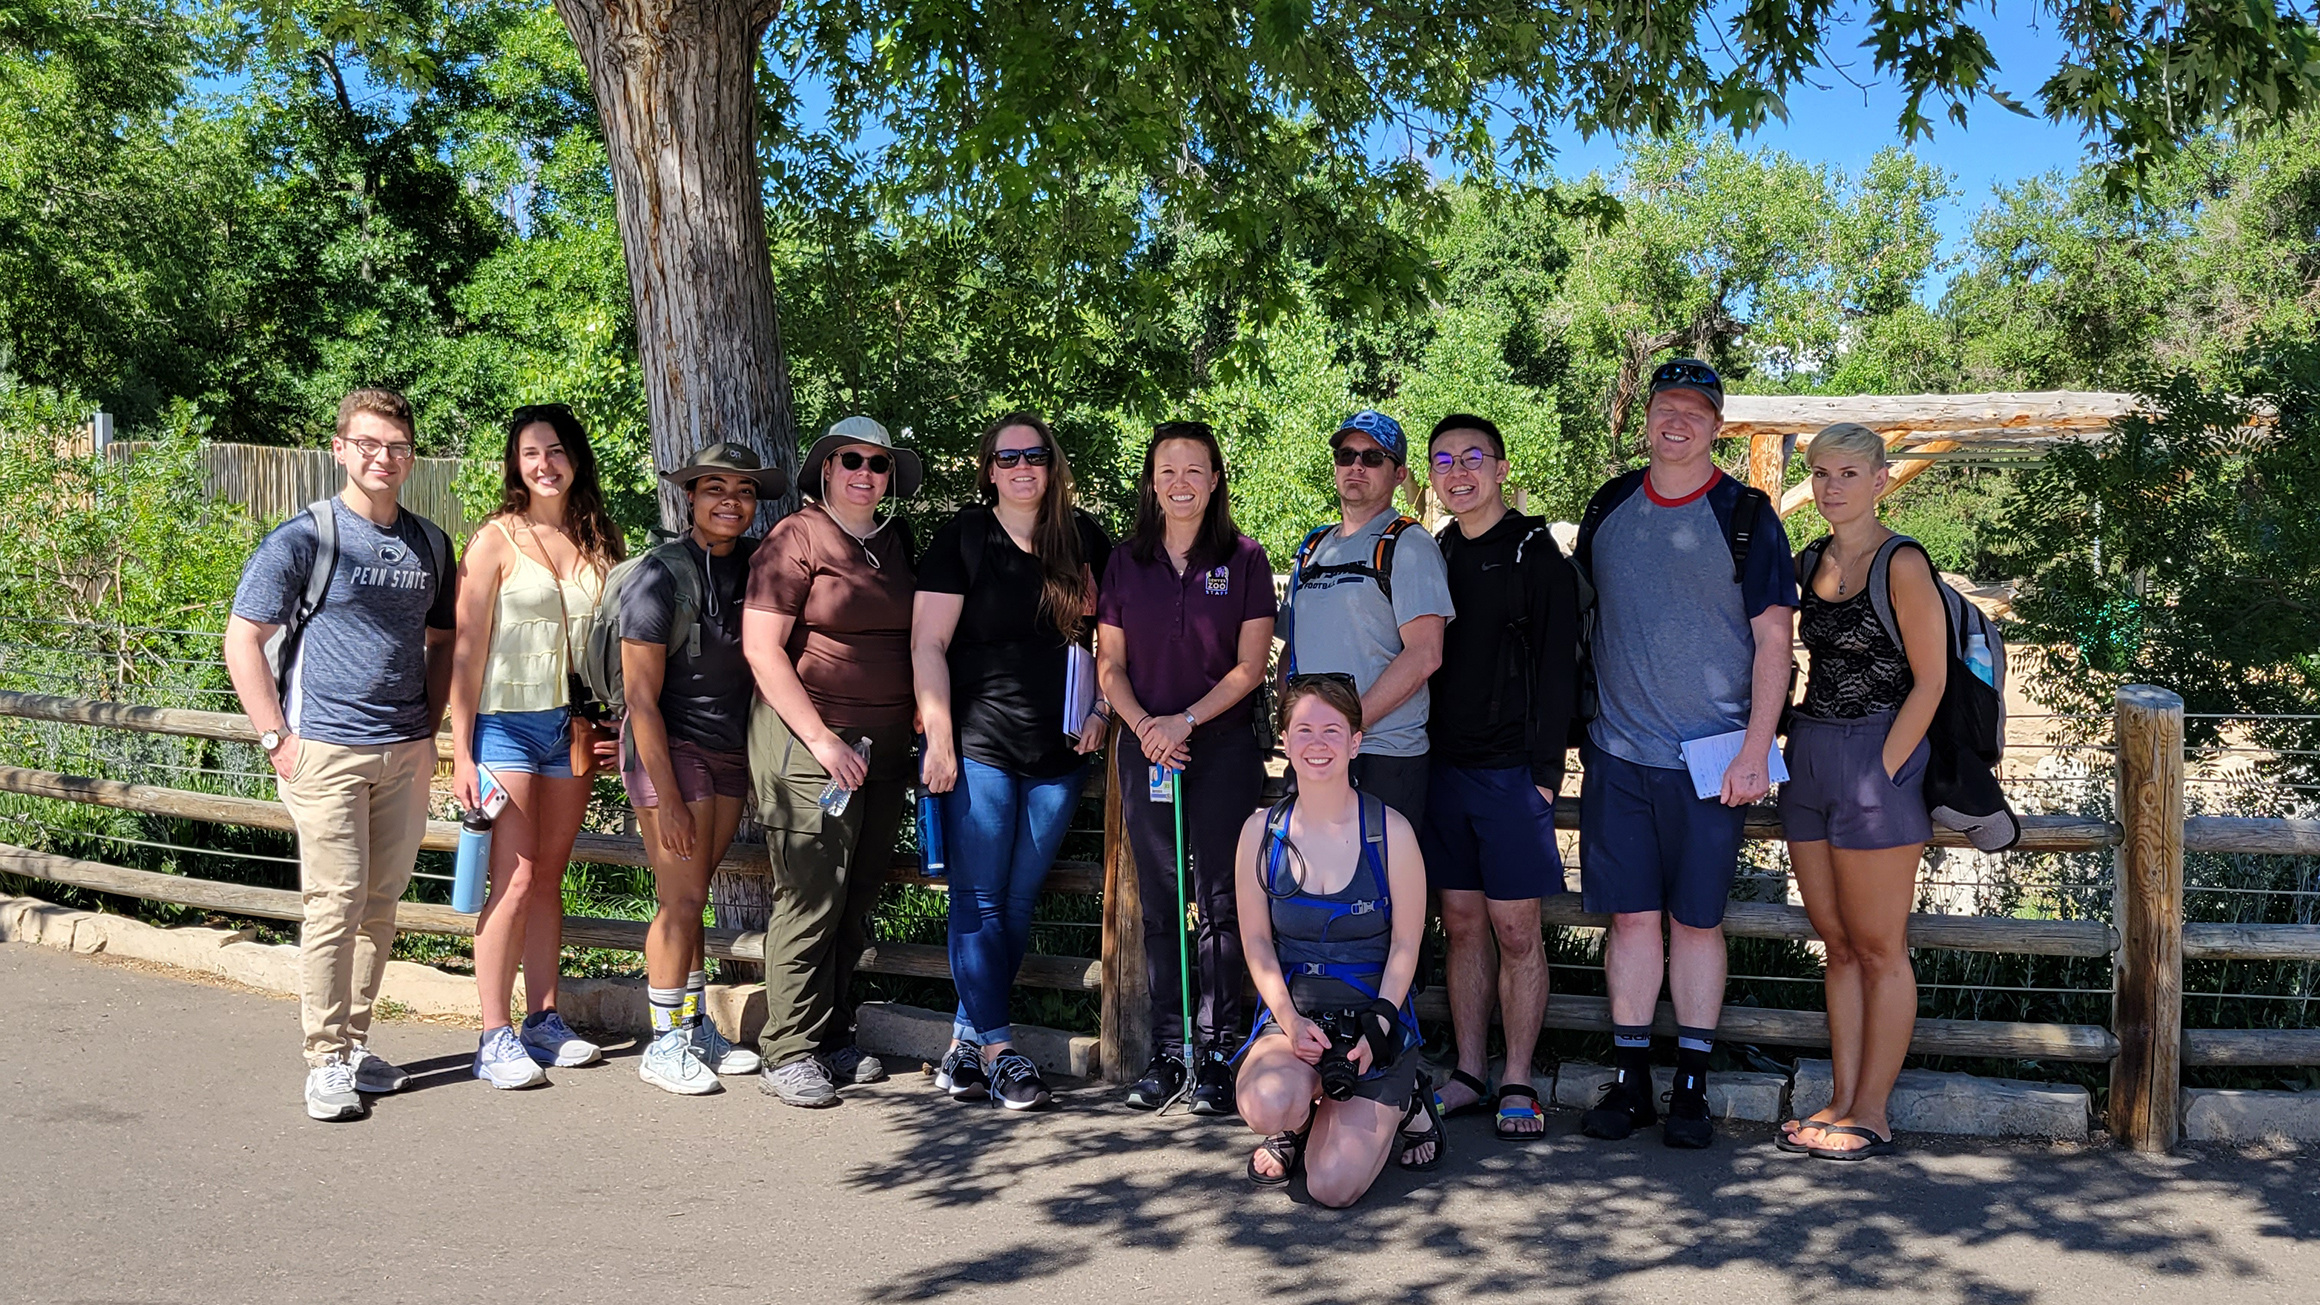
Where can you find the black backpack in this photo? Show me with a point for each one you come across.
(1518, 644)
(1739, 534)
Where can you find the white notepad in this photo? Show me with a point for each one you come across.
(1710, 757)
(1079, 688)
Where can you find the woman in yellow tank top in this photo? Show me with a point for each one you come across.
(527, 587)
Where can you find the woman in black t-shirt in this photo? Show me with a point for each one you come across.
(1006, 600)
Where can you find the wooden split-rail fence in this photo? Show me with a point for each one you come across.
(2145, 1042)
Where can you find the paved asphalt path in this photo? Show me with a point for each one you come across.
(156, 1151)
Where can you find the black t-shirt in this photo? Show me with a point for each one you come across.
(1006, 658)
(1482, 655)
(704, 699)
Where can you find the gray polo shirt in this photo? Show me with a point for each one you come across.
(1344, 622)
(1675, 656)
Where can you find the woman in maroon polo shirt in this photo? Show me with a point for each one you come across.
(1186, 615)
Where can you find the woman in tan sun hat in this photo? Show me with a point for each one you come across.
(827, 632)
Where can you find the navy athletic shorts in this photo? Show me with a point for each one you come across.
(1489, 832)
(1647, 844)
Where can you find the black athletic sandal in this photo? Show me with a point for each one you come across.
(1422, 1103)
(1872, 1144)
(1480, 1089)
(1521, 1092)
(1787, 1139)
(1288, 1148)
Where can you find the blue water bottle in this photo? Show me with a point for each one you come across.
(471, 868)
(930, 838)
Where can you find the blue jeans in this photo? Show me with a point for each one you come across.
(1001, 832)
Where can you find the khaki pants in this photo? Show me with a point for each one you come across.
(360, 812)
(827, 874)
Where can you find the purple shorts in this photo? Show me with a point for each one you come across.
(1838, 791)
(701, 774)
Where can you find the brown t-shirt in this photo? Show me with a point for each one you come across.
(851, 640)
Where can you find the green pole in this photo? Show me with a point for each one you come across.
(1183, 926)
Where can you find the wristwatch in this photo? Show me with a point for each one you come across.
(270, 740)
(1190, 719)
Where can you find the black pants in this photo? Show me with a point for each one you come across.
(1399, 782)
(1223, 784)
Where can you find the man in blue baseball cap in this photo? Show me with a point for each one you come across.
(1369, 599)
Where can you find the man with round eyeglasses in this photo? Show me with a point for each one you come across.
(1504, 698)
(1368, 598)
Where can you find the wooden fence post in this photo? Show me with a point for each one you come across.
(1767, 456)
(1124, 1030)
(2147, 998)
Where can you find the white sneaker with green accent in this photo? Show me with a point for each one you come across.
(672, 1065)
(718, 1052)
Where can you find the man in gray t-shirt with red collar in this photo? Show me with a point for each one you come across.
(1695, 594)
(1369, 598)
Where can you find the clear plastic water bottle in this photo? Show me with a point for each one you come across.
(1978, 659)
(471, 866)
(834, 797)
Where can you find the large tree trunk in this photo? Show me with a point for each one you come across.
(675, 84)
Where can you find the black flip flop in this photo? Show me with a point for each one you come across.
(1876, 1145)
(1524, 1091)
(1480, 1089)
(1421, 1103)
(1787, 1139)
(1288, 1148)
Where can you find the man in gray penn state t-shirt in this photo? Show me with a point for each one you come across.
(1340, 617)
(350, 733)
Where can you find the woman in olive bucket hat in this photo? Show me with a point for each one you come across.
(826, 628)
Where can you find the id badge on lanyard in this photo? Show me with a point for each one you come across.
(1163, 783)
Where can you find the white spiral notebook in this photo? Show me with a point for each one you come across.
(1710, 757)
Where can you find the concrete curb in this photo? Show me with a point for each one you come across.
(2250, 1115)
(1928, 1101)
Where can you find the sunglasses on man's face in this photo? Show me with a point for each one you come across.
(1371, 458)
(880, 464)
(1006, 459)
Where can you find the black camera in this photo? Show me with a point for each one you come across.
(1338, 1072)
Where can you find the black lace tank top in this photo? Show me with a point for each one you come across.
(1856, 669)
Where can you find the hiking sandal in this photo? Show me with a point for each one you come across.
(1480, 1089)
(1288, 1148)
(1422, 1103)
(1517, 1102)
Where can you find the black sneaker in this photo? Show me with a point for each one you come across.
(1688, 1126)
(1212, 1087)
(1163, 1078)
(1016, 1084)
(1623, 1108)
(962, 1074)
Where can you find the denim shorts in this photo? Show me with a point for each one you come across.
(1838, 790)
(525, 742)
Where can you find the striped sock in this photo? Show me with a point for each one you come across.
(696, 997)
(1692, 1048)
(667, 1006)
(1631, 1050)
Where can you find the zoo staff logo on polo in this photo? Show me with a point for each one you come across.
(1219, 583)
(390, 573)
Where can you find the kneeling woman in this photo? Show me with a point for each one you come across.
(1319, 875)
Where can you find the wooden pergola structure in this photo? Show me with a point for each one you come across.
(1921, 429)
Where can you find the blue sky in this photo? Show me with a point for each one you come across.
(1845, 125)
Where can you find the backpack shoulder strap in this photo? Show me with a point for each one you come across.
(1381, 557)
(325, 558)
(1808, 560)
(1881, 588)
(1373, 840)
(1740, 528)
(1305, 550)
(1615, 492)
(684, 596)
(438, 544)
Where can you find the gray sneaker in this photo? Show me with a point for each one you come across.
(548, 1041)
(851, 1064)
(719, 1054)
(330, 1092)
(375, 1073)
(801, 1082)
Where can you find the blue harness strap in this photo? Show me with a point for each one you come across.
(1361, 976)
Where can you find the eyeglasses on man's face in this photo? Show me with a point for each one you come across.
(1006, 459)
(398, 450)
(1471, 460)
(1371, 458)
(852, 460)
